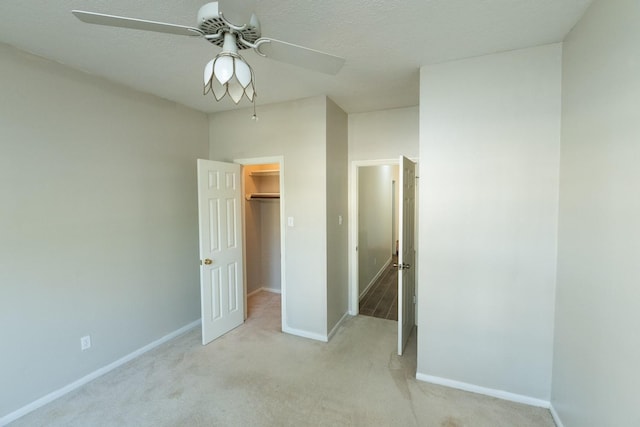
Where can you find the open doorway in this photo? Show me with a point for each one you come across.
(358, 234)
(377, 208)
(263, 239)
(363, 263)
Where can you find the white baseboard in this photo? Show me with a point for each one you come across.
(305, 334)
(312, 335)
(556, 417)
(335, 328)
(376, 277)
(500, 394)
(252, 293)
(272, 290)
(93, 375)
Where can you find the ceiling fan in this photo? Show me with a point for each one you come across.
(231, 25)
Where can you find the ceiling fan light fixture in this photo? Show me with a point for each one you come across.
(235, 91)
(218, 90)
(208, 72)
(232, 26)
(243, 73)
(229, 73)
(250, 91)
(223, 68)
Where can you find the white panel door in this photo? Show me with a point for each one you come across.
(406, 252)
(221, 271)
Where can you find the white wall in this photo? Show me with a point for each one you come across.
(596, 354)
(384, 134)
(297, 131)
(337, 211)
(489, 156)
(375, 227)
(270, 244)
(253, 234)
(98, 223)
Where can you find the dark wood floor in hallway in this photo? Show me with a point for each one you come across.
(381, 300)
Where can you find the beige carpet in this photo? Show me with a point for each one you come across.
(258, 376)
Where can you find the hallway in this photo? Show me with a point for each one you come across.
(381, 300)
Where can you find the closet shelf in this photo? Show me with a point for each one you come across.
(269, 172)
(262, 196)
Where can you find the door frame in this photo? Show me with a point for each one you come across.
(354, 289)
(283, 299)
(354, 295)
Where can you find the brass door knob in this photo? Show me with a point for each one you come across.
(207, 261)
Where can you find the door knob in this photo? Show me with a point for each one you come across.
(207, 261)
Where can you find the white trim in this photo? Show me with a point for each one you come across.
(305, 334)
(556, 417)
(93, 375)
(263, 289)
(259, 160)
(252, 293)
(376, 277)
(335, 328)
(500, 394)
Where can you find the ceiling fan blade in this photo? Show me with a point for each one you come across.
(300, 56)
(136, 24)
(238, 12)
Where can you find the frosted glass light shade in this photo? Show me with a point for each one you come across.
(243, 73)
(229, 73)
(223, 69)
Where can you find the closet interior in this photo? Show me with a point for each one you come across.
(262, 228)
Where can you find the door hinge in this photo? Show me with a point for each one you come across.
(414, 299)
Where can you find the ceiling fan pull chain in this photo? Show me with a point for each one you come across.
(254, 117)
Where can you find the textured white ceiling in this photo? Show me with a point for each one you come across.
(384, 43)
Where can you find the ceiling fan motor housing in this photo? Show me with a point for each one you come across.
(211, 22)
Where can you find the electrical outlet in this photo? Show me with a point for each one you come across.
(85, 343)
